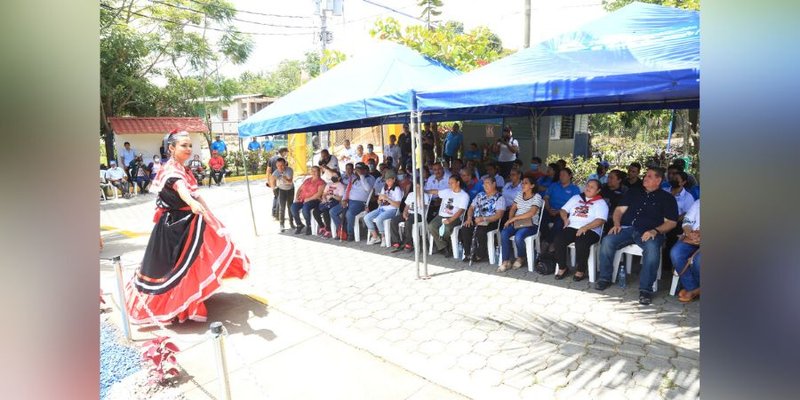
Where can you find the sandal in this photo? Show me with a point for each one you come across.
(577, 278)
(562, 275)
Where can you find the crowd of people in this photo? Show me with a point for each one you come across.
(491, 189)
(136, 172)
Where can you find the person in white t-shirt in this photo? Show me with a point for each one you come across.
(329, 165)
(388, 203)
(506, 149)
(584, 216)
(392, 150)
(348, 155)
(410, 214)
(685, 255)
(454, 202)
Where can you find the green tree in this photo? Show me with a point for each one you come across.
(447, 43)
(171, 39)
(613, 5)
(430, 9)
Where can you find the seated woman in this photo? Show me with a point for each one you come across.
(470, 183)
(583, 216)
(331, 197)
(521, 224)
(550, 177)
(685, 255)
(487, 208)
(308, 198)
(388, 202)
(189, 252)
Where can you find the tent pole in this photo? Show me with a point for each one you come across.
(420, 199)
(415, 188)
(382, 145)
(247, 180)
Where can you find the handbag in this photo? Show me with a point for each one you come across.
(545, 265)
(523, 223)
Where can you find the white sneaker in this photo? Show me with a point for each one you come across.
(372, 240)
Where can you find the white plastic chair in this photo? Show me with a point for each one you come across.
(630, 251)
(387, 230)
(453, 235)
(360, 217)
(675, 279)
(594, 254)
(530, 249)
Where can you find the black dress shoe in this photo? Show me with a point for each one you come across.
(645, 299)
(577, 278)
(447, 252)
(560, 277)
(308, 230)
(602, 285)
(298, 229)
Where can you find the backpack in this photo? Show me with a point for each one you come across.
(545, 265)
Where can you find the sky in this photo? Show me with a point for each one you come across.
(351, 30)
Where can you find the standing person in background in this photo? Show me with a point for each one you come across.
(219, 145)
(253, 145)
(404, 142)
(272, 165)
(453, 144)
(428, 140)
(506, 149)
(127, 154)
(281, 179)
(392, 150)
(347, 155)
(359, 154)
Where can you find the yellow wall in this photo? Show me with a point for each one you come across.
(297, 153)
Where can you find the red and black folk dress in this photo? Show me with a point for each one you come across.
(186, 259)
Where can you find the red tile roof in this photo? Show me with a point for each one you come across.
(123, 125)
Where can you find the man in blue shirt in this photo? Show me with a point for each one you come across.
(452, 144)
(267, 145)
(219, 146)
(474, 153)
(643, 217)
(555, 197)
(254, 146)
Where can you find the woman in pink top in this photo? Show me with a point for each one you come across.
(308, 198)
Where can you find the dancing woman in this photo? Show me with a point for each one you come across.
(189, 252)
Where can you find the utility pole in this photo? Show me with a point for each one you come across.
(335, 8)
(527, 24)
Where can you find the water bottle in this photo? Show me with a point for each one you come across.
(497, 253)
(621, 276)
(460, 249)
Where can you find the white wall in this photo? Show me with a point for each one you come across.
(148, 144)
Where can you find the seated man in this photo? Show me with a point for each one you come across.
(454, 202)
(217, 165)
(600, 173)
(612, 192)
(474, 153)
(685, 255)
(491, 171)
(116, 177)
(103, 181)
(643, 217)
(139, 173)
(198, 169)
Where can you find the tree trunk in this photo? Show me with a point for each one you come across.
(108, 136)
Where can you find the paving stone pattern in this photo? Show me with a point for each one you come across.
(477, 332)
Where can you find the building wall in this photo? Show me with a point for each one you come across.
(149, 143)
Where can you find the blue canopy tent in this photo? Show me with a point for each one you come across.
(373, 88)
(642, 56)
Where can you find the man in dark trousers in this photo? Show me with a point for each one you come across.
(271, 167)
(643, 217)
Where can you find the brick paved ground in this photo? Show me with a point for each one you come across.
(479, 333)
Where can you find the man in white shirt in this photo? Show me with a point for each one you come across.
(128, 154)
(506, 149)
(116, 176)
(454, 202)
(329, 165)
(392, 150)
(347, 155)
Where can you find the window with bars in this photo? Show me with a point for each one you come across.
(224, 115)
(567, 127)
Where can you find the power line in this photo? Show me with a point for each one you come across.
(249, 12)
(233, 18)
(394, 10)
(212, 28)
